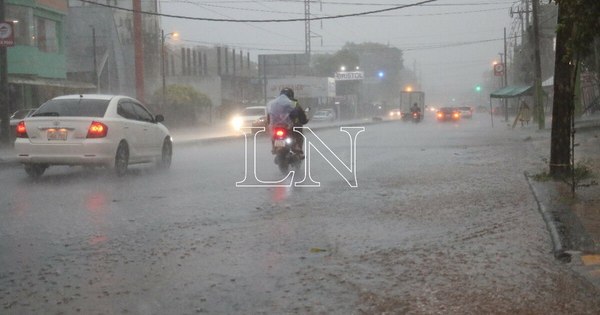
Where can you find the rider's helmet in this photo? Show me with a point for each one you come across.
(288, 92)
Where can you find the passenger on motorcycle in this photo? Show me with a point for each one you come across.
(415, 109)
(285, 110)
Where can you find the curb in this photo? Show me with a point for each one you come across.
(558, 246)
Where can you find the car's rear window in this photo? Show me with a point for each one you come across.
(73, 108)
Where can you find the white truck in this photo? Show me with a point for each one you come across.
(407, 99)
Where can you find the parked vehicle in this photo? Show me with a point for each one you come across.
(95, 130)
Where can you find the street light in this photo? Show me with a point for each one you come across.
(163, 36)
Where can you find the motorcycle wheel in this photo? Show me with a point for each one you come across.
(283, 163)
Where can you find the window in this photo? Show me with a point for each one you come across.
(125, 109)
(73, 108)
(142, 113)
(47, 40)
(22, 19)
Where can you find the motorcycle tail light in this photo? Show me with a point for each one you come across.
(280, 133)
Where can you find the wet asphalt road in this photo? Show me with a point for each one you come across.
(442, 221)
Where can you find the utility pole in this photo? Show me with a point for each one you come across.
(538, 106)
(4, 101)
(138, 49)
(505, 76)
(95, 68)
(307, 27)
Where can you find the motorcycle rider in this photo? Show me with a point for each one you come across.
(416, 109)
(285, 110)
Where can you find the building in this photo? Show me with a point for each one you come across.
(37, 67)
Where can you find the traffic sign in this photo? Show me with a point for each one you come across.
(348, 76)
(7, 36)
(499, 69)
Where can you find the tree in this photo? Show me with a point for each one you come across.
(326, 65)
(184, 105)
(578, 22)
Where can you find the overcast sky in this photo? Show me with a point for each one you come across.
(450, 43)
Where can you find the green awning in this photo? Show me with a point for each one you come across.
(512, 91)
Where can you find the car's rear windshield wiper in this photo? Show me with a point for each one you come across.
(46, 114)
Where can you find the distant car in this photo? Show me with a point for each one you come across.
(465, 111)
(253, 116)
(323, 115)
(20, 114)
(447, 114)
(395, 114)
(95, 130)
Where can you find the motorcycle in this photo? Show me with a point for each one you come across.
(283, 141)
(416, 117)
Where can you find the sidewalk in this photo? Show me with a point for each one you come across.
(573, 221)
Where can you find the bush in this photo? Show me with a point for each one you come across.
(184, 106)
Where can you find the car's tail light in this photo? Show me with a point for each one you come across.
(279, 133)
(456, 115)
(440, 115)
(21, 130)
(97, 130)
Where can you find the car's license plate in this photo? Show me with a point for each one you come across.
(57, 134)
(279, 143)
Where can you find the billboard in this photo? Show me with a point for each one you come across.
(303, 86)
(284, 65)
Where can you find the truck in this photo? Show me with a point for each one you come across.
(407, 99)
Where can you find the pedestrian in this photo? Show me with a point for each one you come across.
(525, 114)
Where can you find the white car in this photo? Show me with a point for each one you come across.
(253, 116)
(92, 130)
(323, 115)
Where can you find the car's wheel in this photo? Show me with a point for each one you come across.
(167, 154)
(121, 159)
(35, 170)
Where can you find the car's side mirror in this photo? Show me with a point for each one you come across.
(159, 118)
(307, 109)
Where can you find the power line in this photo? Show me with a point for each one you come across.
(204, 5)
(262, 21)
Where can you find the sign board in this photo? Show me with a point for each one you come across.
(304, 86)
(499, 69)
(7, 36)
(350, 75)
(284, 65)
